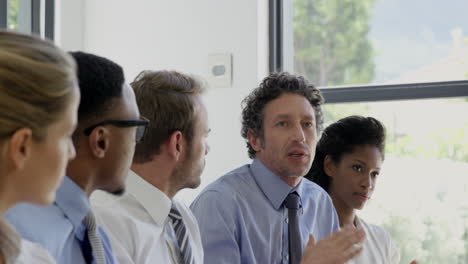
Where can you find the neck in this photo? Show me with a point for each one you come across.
(82, 174)
(7, 199)
(157, 172)
(345, 213)
(291, 181)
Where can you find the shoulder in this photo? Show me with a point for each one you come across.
(46, 218)
(376, 231)
(23, 210)
(116, 220)
(230, 185)
(223, 198)
(125, 233)
(33, 253)
(313, 191)
(379, 239)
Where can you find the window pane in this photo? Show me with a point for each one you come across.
(343, 42)
(12, 20)
(421, 195)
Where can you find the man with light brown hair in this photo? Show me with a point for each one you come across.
(147, 225)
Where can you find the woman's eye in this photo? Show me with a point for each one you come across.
(308, 124)
(357, 168)
(375, 174)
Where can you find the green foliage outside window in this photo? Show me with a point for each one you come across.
(332, 47)
(12, 20)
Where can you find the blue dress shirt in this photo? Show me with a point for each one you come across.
(242, 217)
(59, 227)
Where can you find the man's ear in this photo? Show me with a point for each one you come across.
(329, 166)
(98, 142)
(19, 147)
(254, 140)
(176, 145)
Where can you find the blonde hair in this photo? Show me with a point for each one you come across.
(36, 83)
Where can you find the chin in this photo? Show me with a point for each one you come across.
(194, 184)
(360, 206)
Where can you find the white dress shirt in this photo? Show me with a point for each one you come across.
(378, 248)
(17, 250)
(139, 226)
(33, 253)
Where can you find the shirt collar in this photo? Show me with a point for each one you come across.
(73, 202)
(155, 202)
(274, 188)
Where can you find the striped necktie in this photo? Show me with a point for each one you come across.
(94, 238)
(182, 236)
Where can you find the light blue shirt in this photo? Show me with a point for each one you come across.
(242, 218)
(59, 227)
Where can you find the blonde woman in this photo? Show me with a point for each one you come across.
(39, 98)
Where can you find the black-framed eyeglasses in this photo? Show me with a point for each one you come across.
(141, 125)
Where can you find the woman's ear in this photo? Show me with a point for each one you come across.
(19, 147)
(329, 166)
(98, 142)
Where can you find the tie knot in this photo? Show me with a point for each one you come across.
(174, 214)
(90, 221)
(292, 201)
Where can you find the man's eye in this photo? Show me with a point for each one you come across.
(282, 124)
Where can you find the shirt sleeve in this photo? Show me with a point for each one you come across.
(216, 217)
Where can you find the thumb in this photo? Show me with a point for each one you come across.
(311, 240)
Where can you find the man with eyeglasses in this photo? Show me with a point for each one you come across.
(147, 224)
(109, 125)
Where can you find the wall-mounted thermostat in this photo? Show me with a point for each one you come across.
(220, 70)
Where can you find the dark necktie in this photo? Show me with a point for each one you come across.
(292, 202)
(94, 238)
(182, 236)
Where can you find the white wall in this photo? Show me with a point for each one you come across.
(179, 35)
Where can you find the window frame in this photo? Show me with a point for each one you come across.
(34, 17)
(3, 14)
(281, 50)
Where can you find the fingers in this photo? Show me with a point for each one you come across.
(414, 262)
(352, 251)
(348, 236)
(311, 241)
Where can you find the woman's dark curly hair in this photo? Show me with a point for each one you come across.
(271, 88)
(342, 137)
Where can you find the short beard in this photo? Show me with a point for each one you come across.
(183, 173)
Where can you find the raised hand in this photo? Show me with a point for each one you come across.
(335, 249)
